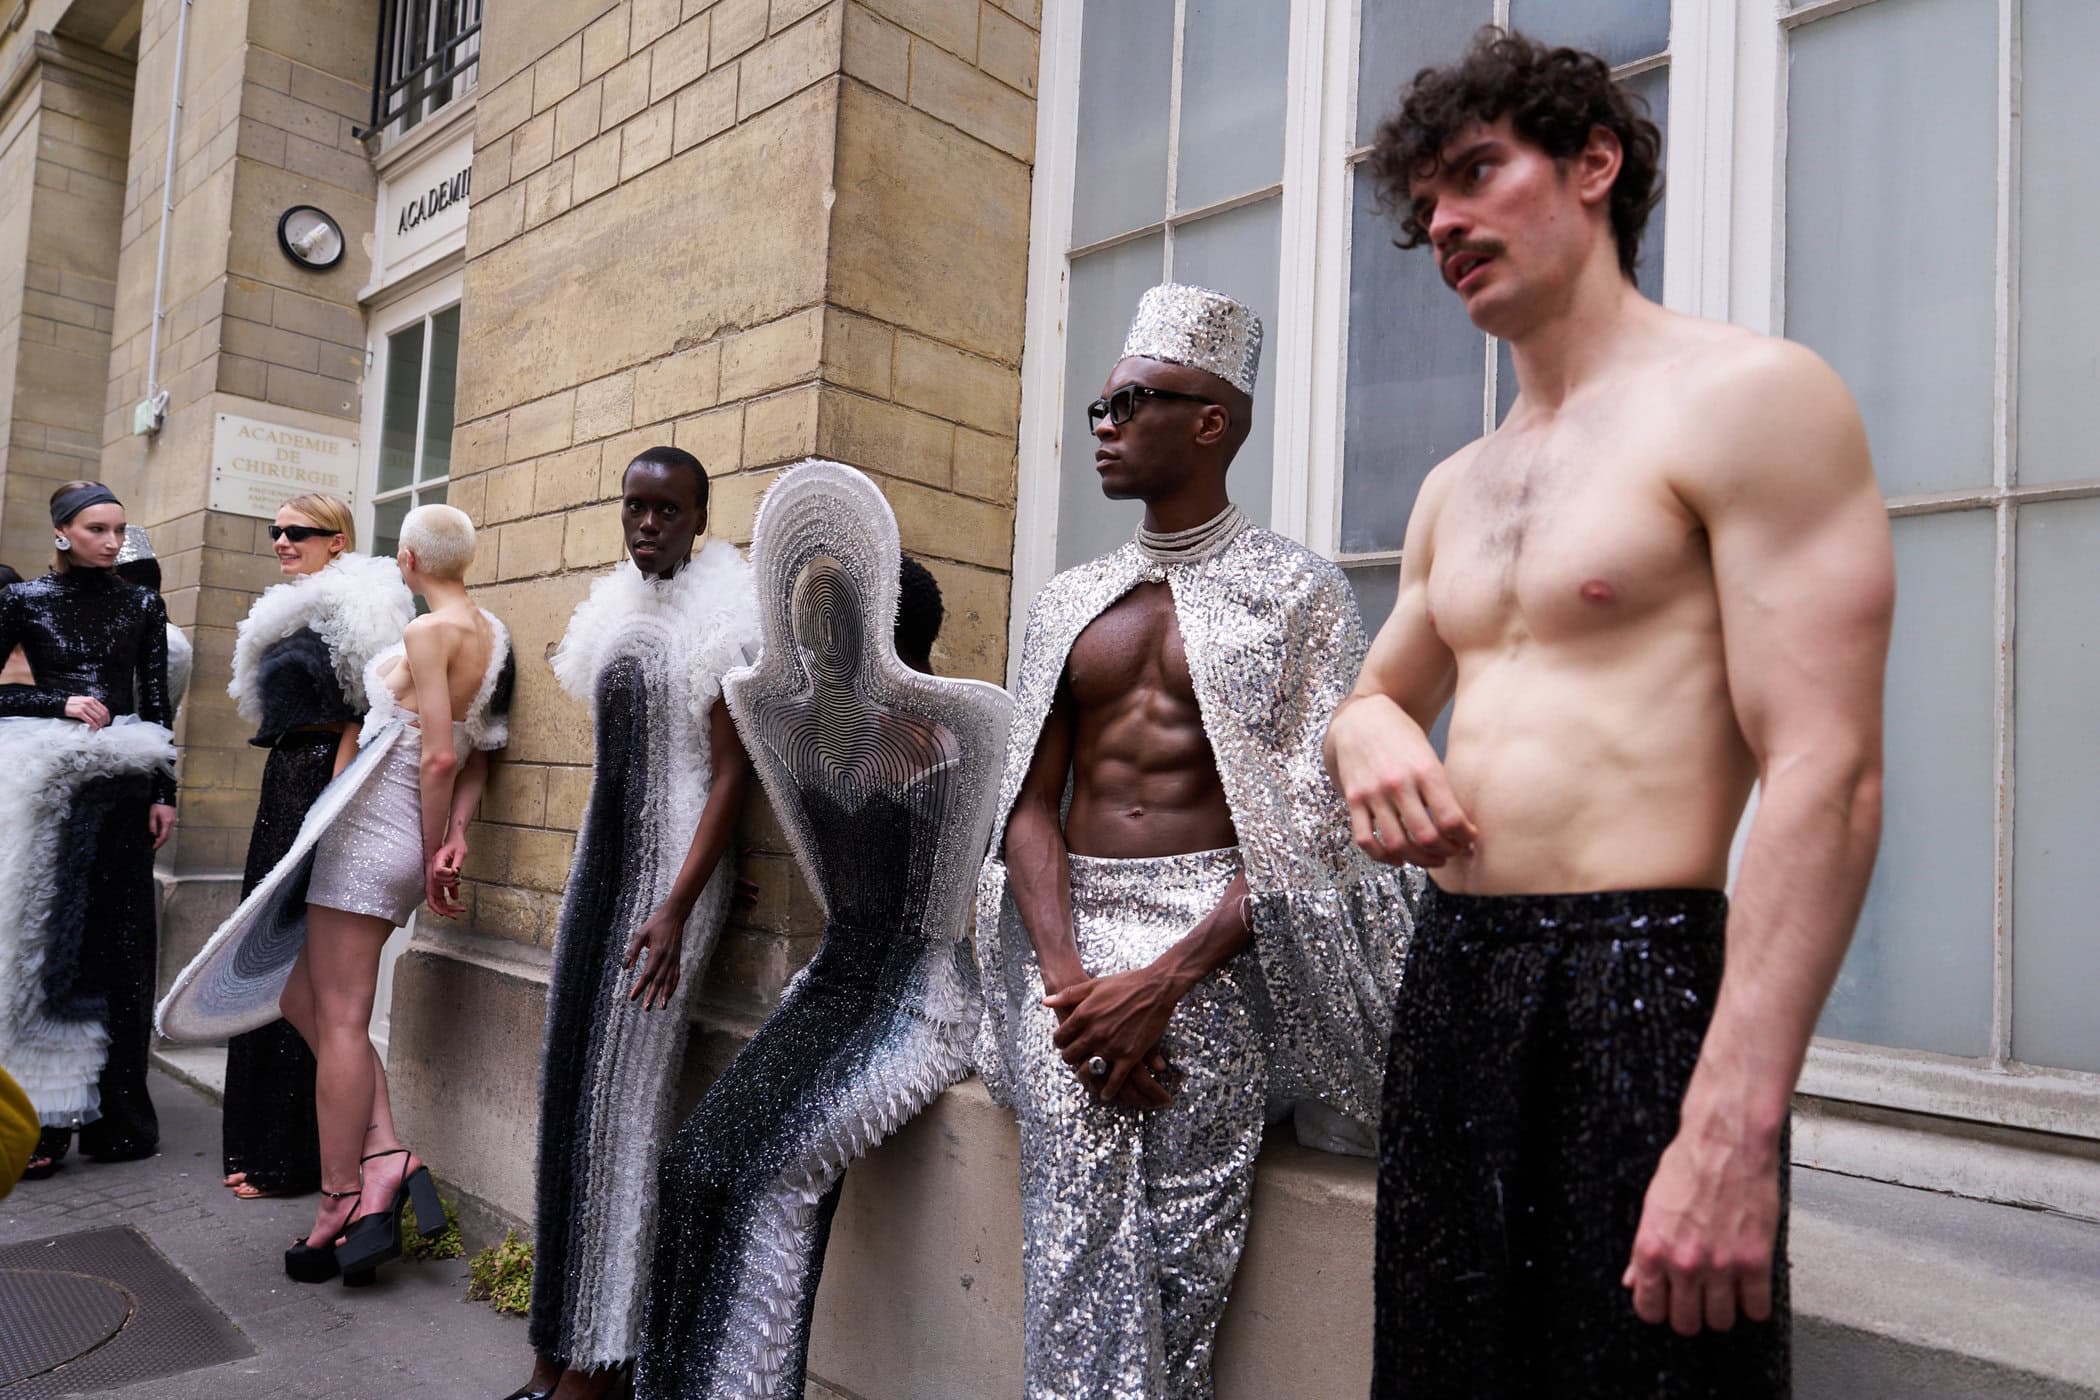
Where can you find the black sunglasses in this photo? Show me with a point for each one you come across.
(1118, 407)
(299, 534)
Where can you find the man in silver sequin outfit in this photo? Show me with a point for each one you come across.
(1192, 938)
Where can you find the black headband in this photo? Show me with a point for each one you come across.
(79, 499)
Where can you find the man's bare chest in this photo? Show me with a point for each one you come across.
(1559, 539)
(1134, 646)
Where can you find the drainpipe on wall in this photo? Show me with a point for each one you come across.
(152, 411)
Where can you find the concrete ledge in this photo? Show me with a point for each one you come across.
(1898, 1292)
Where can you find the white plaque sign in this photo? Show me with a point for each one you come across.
(256, 466)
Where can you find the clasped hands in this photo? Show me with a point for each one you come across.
(160, 819)
(1120, 1018)
(441, 877)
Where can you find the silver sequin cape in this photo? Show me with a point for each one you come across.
(1274, 642)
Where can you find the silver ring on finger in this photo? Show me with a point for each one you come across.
(1097, 1067)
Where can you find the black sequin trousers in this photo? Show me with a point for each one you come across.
(268, 1129)
(107, 873)
(1541, 1047)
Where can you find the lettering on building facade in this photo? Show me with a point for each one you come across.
(436, 199)
(256, 466)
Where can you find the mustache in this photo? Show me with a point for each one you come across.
(1484, 247)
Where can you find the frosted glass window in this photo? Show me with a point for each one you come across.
(1416, 371)
(1105, 290)
(1919, 973)
(1125, 82)
(1654, 87)
(1233, 54)
(2056, 710)
(1618, 31)
(1399, 38)
(438, 409)
(398, 414)
(1236, 253)
(1375, 586)
(1890, 233)
(2059, 210)
(386, 526)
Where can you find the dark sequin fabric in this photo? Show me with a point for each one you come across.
(88, 632)
(268, 1129)
(1541, 1048)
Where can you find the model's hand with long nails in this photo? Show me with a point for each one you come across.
(88, 710)
(662, 936)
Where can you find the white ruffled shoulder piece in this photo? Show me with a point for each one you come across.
(708, 606)
(358, 606)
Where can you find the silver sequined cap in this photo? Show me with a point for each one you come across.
(1202, 329)
(136, 546)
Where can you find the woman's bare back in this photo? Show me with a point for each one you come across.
(466, 642)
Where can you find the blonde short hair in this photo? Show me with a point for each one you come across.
(327, 512)
(441, 538)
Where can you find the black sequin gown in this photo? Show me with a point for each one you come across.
(268, 1130)
(88, 632)
(750, 1182)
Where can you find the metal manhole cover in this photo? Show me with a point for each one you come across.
(54, 1317)
(166, 1326)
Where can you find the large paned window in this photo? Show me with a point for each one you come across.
(1180, 178)
(409, 398)
(1420, 381)
(1937, 241)
(1901, 185)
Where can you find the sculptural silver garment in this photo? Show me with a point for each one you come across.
(649, 655)
(1273, 643)
(235, 981)
(883, 780)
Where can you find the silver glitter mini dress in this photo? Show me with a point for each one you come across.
(360, 848)
(371, 859)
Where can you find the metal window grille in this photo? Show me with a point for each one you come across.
(427, 54)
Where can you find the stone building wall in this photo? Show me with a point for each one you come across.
(759, 232)
(65, 116)
(271, 93)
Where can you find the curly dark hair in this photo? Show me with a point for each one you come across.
(1554, 98)
(919, 613)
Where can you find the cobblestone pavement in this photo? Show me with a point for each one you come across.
(410, 1334)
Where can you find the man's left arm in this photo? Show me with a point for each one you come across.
(1802, 565)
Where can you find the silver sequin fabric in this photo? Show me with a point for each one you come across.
(1132, 1220)
(1200, 328)
(1273, 641)
(370, 860)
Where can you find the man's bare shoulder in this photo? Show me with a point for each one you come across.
(1760, 410)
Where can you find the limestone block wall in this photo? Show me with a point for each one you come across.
(759, 231)
(65, 121)
(271, 94)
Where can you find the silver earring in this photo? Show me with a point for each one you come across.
(61, 543)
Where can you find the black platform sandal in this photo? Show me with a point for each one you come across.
(375, 1239)
(305, 1263)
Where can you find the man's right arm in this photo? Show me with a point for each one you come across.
(1037, 871)
(1401, 808)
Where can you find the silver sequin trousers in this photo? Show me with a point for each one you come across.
(1132, 1221)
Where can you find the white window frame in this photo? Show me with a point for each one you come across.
(384, 321)
(1724, 257)
(1995, 1088)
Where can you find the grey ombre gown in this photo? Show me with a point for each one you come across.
(883, 779)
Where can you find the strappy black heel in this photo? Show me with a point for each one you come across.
(305, 1263)
(374, 1239)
